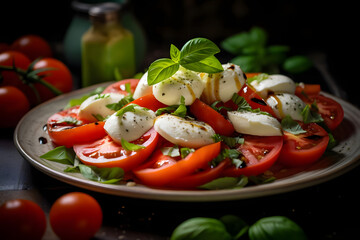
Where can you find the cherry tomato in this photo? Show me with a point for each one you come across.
(160, 169)
(13, 105)
(149, 101)
(75, 215)
(330, 110)
(106, 153)
(205, 113)
(65, 128)
(60, 77)
(9, 78)
(259, 154)
(4, 47)
(32, 46)
(119, 87)
(22, 219)
(306, 148)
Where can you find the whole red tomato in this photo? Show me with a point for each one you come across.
(10, 78)
(22, 219)
(59, 76)
(32, 46)
(75, 215)
(13, 105)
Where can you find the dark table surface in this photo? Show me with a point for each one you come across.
(326, 211)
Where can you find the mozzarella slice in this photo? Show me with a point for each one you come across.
(255, 123)
(276, 83)
(221, 86)
(96, 106)
(131, 125)
(286, 104)
(184, 83)
(183, 132)
(143, 87)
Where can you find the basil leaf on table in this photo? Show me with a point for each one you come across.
(276, 227)
(201, 228)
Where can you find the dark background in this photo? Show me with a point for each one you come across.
(306, 26)
(325, 211)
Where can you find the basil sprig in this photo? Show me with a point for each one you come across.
(196, 55)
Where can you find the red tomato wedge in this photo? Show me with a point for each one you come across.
(119, 87)
(330, 110)
(306, 148)
(149, 101)
(65, 128)
(161, 170)
(259, 154)
(205, 113)
(106, 153)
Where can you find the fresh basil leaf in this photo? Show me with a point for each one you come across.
(130, 146)
(234, 225)
(161, 69)
(236, 43)
(208, 65)
(103, 175)
(248, 63)
(200, 228)
(124, 101)
(291, 126)
(184, 152)
(176, 110)
(174, 53)
(226, 183)
(297, 64)
(60, 154)
(309, 115)
(197, 50)
(99, 117)
(260, 77)
(229, 141)
(276, 227)
(69, 120)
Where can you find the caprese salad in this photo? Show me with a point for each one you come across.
(195, 127)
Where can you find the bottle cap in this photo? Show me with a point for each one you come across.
(105, 12)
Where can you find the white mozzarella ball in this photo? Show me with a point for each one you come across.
(96, 106)
(129, 126)
(285, 104)
(221, 86)
(184, 83)
(276, 83)
(184, 132)
(143, 87)
(255, 123)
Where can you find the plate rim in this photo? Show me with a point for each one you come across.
(179, 195)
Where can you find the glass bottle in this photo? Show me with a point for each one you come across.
(107, 48)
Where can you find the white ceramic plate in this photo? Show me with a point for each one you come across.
(345, 156)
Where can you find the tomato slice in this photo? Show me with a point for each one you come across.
(254, 100)
(205, 113)
(65, 128)
(161, 169)
(119, 87)
(306, 148)
(106, 153)
(197, 179)
(149, 101)
(330, 110)
(259, 154)
(307, 89)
